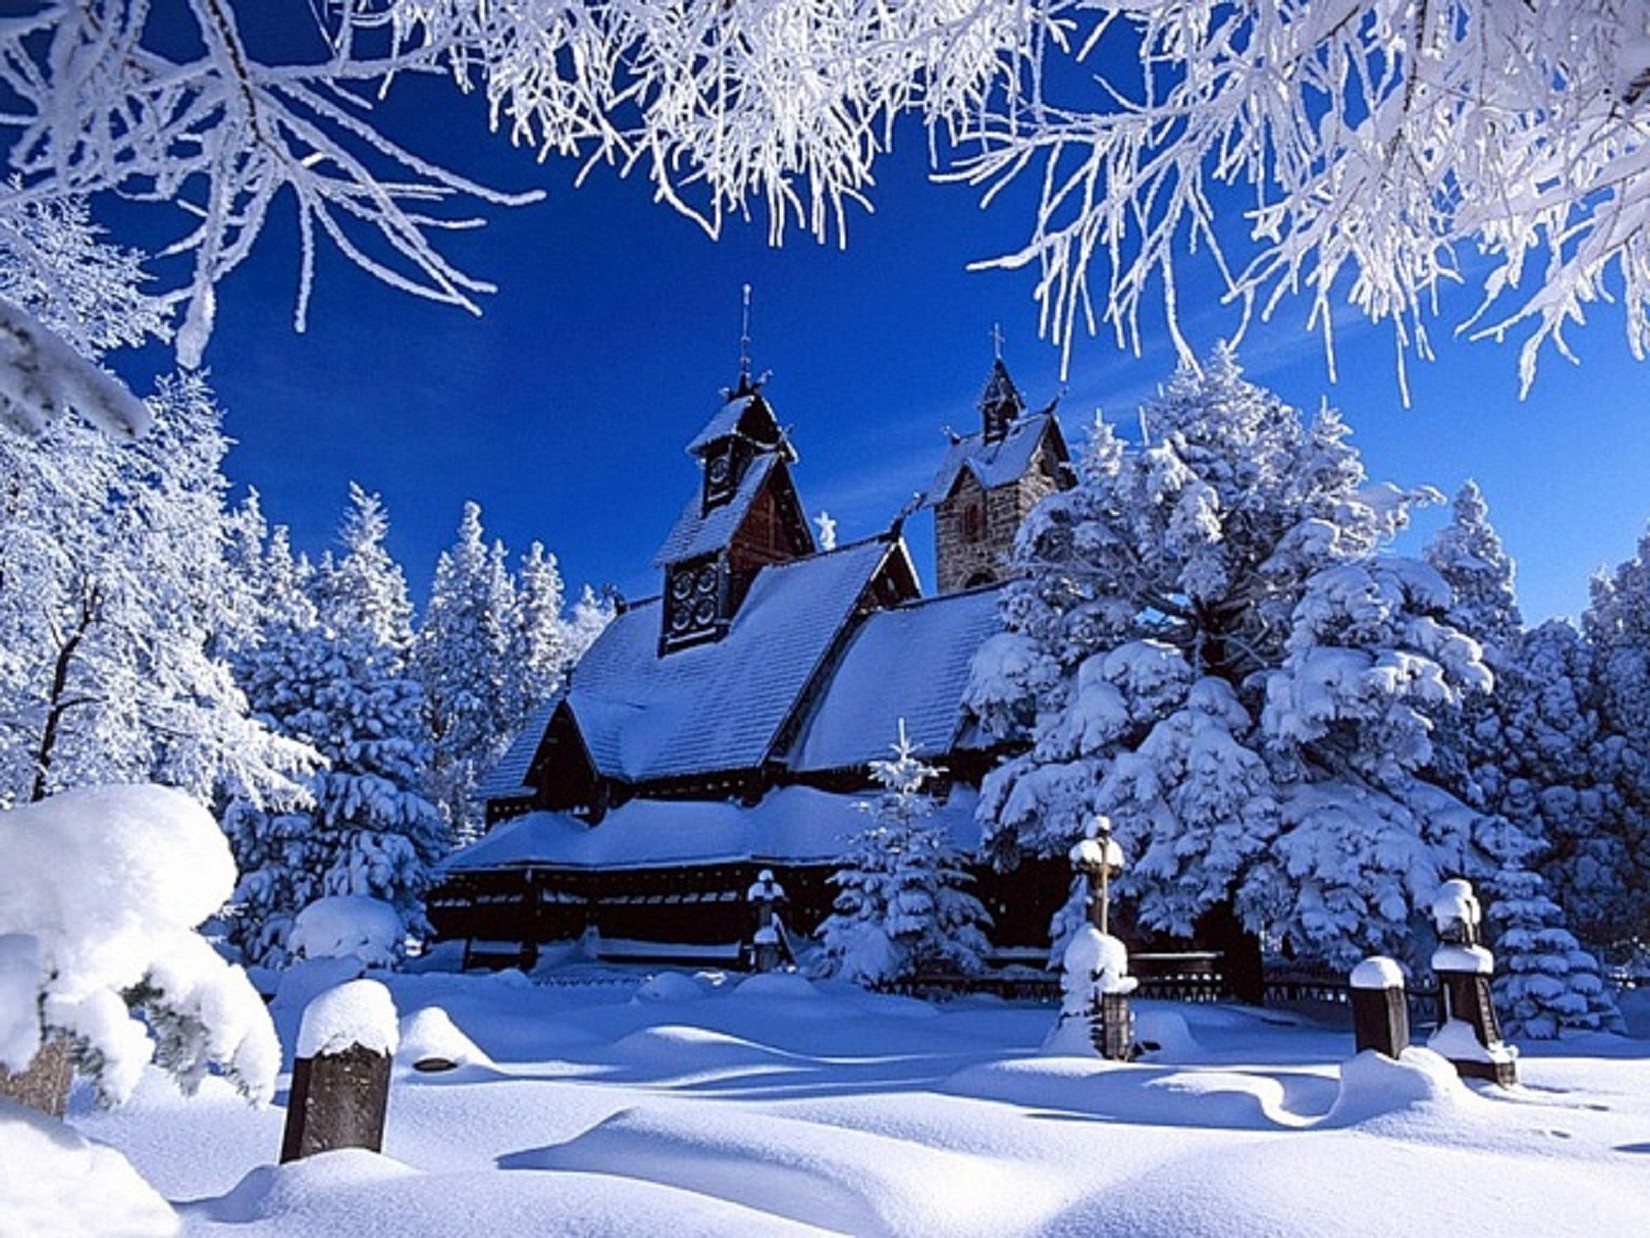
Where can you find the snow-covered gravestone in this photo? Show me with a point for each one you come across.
(341, 1078)
(1468, 1034)
(765, 895)
(1380, 1008)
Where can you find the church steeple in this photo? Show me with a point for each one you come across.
(1000, 403)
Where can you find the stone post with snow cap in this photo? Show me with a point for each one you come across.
(765, 895)
(1380, 1008)
(1096, 982)
(341, 1078)
(1468, 1034)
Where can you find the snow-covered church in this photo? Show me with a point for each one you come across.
(726, 725)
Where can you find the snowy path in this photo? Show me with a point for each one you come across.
(683, 1108)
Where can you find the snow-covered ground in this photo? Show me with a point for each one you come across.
(603, 1101)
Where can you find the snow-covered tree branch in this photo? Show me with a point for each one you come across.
(1358, 152)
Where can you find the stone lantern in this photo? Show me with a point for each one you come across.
(1469, 1034)
(765, 895)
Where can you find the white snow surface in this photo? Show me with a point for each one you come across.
(55, 1181)
(1455, 903)
(342, 925)
(775, 1105)
(1473, 959)
(358, 1012)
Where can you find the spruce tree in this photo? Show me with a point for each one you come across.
(902, 907)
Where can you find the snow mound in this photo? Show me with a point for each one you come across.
(274, 1191)
(345, 925)
(680, 1051)
(360, 1012)
(669, 986)
(842, 1180)
(776, 984)
(351, 1192)
(55, 1181)
(1374, 1086)
(429, 1036)
(1164, 1036)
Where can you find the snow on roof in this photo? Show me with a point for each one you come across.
(725, 421)
(698, 532)
(909, 662)
(716, 706)
(509, 776)
(792, 825)
(993, 464)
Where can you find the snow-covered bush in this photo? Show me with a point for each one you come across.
(901, 907)
(1213, 647)
(349, 926)
(100, 894)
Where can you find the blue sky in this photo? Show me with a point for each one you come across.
(565, 408)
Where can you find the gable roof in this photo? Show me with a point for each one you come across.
(746, 413)
(698, 532)
(791, 825)
(716, 706)
(508, 777)
(911, 662)
(994, 464)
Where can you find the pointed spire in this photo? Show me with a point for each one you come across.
(1000, 403)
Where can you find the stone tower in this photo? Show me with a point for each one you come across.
(990, 481)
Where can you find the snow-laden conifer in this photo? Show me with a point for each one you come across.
(1508, 754)
(1213, 646)
(463, 660)
(902, 907)
(544, 641)
(336, 676)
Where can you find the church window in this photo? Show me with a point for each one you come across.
(973, 522)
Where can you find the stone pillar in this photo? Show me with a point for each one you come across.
(765, 895)
(45, 1084)
(1469, 1034)
(1380, 1008)
(341, 1079)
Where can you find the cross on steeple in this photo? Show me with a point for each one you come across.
(997, 340)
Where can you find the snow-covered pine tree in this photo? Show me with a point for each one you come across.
(333, 672)
(463, 662)
(591, 613)
(1617, 627)
(1212, 646)
(543, 639)
(902, 907)
(1492, 750)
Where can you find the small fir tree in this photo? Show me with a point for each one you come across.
(1545, 983)
(902, 907)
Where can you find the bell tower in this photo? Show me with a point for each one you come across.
(990, 481)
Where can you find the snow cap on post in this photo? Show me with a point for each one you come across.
(1378, 972)
(1456, 904)
(1097, 850)
(359, 1012)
